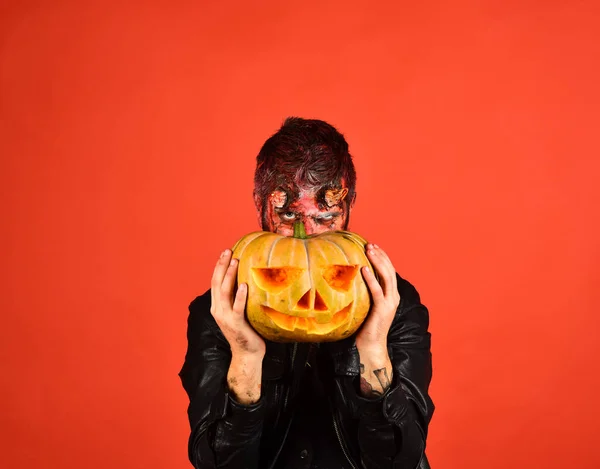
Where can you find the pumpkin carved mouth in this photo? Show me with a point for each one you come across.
(323, 324)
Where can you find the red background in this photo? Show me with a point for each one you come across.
(128, 137)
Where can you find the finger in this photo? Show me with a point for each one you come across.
(239, 305)
(380, 253)
(229, 282)
(220, 269)
(217, 280)
(383, 268)
(392, 269)
(389, 280)
(373, 284)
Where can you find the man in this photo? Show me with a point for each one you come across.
(361, 402)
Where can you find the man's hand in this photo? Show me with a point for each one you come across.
(371, 340)
(247, 347)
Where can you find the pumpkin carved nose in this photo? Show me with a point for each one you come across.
(304, 302)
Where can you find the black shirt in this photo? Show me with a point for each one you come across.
(312, 442)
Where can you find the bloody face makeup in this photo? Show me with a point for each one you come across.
(320, 210)
(304, 172)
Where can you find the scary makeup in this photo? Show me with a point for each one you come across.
(320, 210)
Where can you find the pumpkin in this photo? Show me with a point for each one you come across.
(304, 288)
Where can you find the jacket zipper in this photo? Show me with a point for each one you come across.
(339, 437)
(284, 406)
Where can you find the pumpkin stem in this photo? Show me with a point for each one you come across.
(299, 230)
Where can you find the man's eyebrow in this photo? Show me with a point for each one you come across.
(284, 210)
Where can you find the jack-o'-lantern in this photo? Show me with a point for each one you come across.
(304, 288)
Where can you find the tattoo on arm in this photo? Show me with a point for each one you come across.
(382, 376)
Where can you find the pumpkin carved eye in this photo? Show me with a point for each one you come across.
(275, 279)
(339, 277)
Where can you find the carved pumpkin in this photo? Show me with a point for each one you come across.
(304, 288)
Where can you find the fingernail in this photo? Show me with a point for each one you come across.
(375, 246)
(371, 251)
(367, 269)
(232, 262)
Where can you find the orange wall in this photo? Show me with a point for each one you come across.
(128, 136)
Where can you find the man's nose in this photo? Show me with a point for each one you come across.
(310, 227)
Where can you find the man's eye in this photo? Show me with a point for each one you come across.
(288, 216)
(325, 219)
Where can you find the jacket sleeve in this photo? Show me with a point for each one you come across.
(392, 429)
(224, 433)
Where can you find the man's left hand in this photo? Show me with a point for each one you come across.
(371, 340)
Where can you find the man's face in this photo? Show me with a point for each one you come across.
(320, 211)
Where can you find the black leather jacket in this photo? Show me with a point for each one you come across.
(388, 432)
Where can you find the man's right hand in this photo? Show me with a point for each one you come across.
(247, 347)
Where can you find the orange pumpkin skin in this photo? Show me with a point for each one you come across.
(306, 288)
